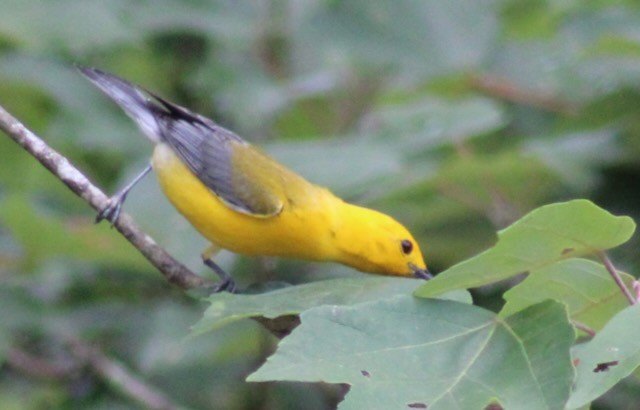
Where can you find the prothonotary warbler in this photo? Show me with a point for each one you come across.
(242, 200)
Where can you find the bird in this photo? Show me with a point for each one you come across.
(242, 200)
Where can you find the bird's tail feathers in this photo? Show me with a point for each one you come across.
(133, 100)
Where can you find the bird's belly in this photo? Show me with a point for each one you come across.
(297, 233)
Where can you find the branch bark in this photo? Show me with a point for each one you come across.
(82, 355)
(173, 271)
(508, 91)
(58, 165)
(121, 378)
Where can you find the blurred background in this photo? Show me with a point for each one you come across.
(455, 116)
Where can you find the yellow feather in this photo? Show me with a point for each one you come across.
(313, 224)
(242, 200)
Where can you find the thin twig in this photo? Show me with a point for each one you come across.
(59, 166)
(37, 367)
(616, 277)
(173, 271)
(121, 378)
(506, 90)
(581, 326)
(82, 355)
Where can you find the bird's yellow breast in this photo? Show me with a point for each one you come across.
(242, 200)
(301, 230)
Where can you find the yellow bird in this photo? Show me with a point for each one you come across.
(242, 200)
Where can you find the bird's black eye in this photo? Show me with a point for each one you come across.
(407, 246)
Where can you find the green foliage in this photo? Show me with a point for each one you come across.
(400, 351)
(456, 117)
(616, 348)
(444, 355)
(546, 235)
(226, 308)
(592, 298)
(83, 240)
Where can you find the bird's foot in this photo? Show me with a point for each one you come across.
(111, 212)
(226, 284)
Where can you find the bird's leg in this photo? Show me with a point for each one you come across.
(226, 284)
(112, 210)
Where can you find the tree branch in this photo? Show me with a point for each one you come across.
(616, 277)
(173, 271)
(506, 90)
(120, 378)
(83, 355)
(37, 367)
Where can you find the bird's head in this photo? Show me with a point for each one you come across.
(371, 241)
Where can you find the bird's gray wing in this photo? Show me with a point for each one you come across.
(209, 151)
(206, 148)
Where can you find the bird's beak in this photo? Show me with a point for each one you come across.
(420, 273)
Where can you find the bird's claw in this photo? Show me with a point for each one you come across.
(111, 212)
(226, 283)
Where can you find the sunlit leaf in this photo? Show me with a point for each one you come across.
(546, 235)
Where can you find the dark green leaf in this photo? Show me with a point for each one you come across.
(226, 308)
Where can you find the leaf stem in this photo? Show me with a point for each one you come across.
(581, 326)
(616, 277)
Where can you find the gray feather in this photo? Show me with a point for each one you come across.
(201, 144)
(131, 99)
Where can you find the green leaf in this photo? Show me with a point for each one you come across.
(406, 35)
(226, 308)
(441, 354)
(591, 295)
(436, 121)
(326, 162)
(616, 345)
(576, 157)
(96, 21)
(44, 236)
(546, 235)
(467, 180)
(526, 18)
